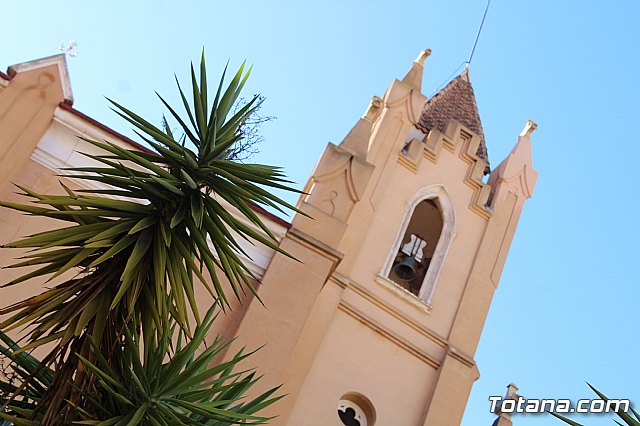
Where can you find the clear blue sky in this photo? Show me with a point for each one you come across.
(566, 309)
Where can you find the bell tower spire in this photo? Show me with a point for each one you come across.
(400, 252)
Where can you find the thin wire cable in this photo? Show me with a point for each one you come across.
(486, 9)
(473, 49)
(446, 80)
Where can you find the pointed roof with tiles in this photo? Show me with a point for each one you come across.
(455, 101)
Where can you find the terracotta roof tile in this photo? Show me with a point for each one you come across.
(455, 101)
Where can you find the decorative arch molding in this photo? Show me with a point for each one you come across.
(439, 194)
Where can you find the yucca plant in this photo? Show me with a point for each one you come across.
(625, 417)
(182, 388)
(165, 221)
(18, 368)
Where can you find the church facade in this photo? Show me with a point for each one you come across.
(378, 319)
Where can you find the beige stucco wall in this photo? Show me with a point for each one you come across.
(332, 322)
(363, 333)
(395, 380)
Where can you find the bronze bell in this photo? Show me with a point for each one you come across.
(406, 270)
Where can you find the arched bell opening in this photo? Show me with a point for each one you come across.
(417, 247)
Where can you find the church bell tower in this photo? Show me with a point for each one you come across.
(400, 255)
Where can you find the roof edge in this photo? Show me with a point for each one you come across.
(67, 107)
(58, 60)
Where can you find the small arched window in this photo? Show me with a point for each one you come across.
(355, 409)
(422, 242)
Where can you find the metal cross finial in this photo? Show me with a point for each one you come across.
(69, 50)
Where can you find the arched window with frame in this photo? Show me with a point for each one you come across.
(424, 238)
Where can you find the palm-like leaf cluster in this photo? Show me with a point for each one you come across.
(627, 418)
(163, 222)
(180, 389)
(20, 367)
